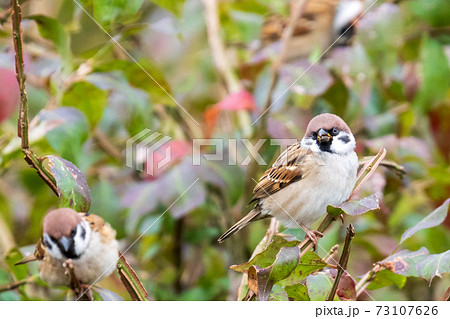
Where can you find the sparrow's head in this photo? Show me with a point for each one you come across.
(66, 234)
(329, 133)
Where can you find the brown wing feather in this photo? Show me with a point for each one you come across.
(290, 167)
(39, 253)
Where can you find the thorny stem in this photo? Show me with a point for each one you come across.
(343, 261)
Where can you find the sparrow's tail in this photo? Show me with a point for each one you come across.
(250, 217)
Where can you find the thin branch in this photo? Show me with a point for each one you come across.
(217, 49)
(446, 295)
(295, 15)
(342, 266)
(367, 171)
(14, 285)
(366, 280)
(23, 123)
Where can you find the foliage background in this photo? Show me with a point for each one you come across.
(87, 96)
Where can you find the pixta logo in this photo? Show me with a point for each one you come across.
(148, 150)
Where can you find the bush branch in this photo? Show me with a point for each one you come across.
(343, 261)
(23, 123)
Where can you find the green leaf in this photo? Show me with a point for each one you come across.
(13, 256)
(309, 263)
(278, 294)
(110, 11)
(297, 292)
(73, 190)
(404, 262)
(355, 207)
(434, 265)
(261, 280)
(434, 12)
(435, 218)
(174, 6)
(319, 285)
(88, 98)
(386, 278)
(52, 30)
(268, 256)
(436, 75)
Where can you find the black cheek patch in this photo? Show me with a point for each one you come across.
(48, 244)
(344, 139)
(83, 233)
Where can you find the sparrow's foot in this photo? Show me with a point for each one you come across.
(314, 235)
(68, 266)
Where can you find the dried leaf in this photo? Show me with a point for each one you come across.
(404, 262)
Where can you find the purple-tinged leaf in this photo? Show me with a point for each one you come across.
(73, 190)
(347, 289)
(432, 220)
(434, 265)
(355, 207)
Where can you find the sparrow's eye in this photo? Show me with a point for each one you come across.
(72, 233)
(334, 131)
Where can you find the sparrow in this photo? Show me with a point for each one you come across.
(81, 241)
(318, 171)
(322, 22)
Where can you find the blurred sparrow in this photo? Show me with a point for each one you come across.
(322, 22)
(318, 171)
(79, 241)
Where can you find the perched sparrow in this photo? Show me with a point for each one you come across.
(322, 22)
(84, 241)
(318, 171)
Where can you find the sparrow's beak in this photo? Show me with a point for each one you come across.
(323, 136)
(65, 242)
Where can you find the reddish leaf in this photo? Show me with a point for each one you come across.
(9, 93)
(237, 101)
(174, 150)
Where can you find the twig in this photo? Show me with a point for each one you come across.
(399, 169)
(15, 284)
(366, 280)
(32, 160)
(295, 15)
(367, 171)
(446, 295)
(343, 261)
(130, 280)
(217, 49)
(333, 252)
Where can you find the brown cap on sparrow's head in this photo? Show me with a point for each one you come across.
(60, 222)
(66, 234)
(326, 121)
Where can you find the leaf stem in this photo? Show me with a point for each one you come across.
(343, 261)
